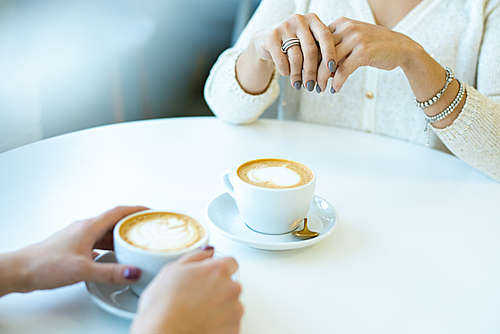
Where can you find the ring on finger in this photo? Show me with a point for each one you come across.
(289, 43)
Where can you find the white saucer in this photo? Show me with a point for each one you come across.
(224, 216)
(119, 299)
(116, 299)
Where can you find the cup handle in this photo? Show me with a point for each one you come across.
(226, 181)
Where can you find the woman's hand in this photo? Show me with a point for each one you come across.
(67, 257)
(194, 294)
(362, 44)
(312, 62)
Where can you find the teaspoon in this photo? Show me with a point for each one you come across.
(305, 233)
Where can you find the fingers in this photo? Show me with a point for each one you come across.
(323, 76)
(106, 221)
(306, 61)
(272, 44)
(336, 40)
(111, 273)
(344, 70)
(301, 62)
(328, 52)
(114, 215)
(198, 255)
(295, 59)
(345, 35)
(226, 265)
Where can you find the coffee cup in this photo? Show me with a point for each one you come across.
(150, 239)
(272, 195)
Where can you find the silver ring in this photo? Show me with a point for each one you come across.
(289, 43)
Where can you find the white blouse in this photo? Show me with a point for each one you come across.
(462, 35)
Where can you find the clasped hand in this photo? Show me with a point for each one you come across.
(336, 50)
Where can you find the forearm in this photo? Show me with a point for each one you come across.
(227, 99)
(14, 273)
(253, 73)
(474, 137)
(427, 77)
(471, 130)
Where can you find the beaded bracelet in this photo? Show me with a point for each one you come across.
(431, 101)
(446, 112)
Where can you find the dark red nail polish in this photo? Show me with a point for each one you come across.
(206, 247)
(132, 273)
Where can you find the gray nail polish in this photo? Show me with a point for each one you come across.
(310, 85)
(332, 90)
(297, 85)
(318, 89)
(332, 66)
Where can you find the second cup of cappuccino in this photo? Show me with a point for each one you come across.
(272, 195)
(150, 239)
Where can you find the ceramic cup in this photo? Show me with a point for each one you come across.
(269, 210)
(149, 261)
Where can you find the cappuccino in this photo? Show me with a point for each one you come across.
(162, 231)
(275, 173)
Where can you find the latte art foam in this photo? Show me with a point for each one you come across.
(275, 173)
(280, 176)
(162, 231)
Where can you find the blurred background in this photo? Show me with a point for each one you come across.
(67, 65)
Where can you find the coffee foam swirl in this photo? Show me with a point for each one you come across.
(162, 232)
(280, 176)
(275, 173)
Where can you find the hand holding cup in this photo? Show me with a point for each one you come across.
(150, 239)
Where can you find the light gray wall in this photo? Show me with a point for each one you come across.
(95, 62)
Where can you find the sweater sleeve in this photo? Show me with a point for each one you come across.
(223, 94)
(474, 136)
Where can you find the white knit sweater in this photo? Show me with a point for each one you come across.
(461, 34)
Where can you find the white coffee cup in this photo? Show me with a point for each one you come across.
(150, 261)
(267, 210)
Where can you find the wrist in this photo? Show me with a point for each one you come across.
(14, 273)
(249, 61)
(425, 75)
(254, 73)
(147, 325)
(413, 55)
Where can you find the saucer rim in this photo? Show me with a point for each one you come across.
(275, 245)
(104, 304)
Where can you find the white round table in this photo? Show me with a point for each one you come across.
(417, 249)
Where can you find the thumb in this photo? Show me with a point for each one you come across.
(203, 253)
(111, 273)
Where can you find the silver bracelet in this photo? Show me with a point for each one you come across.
(431, 101)
(446, 112)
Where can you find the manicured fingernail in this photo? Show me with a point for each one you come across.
(318, 89)
(332, 90)
(206, 247)
(332, 66)
(132, 273)
(297, 85)
(310, 85)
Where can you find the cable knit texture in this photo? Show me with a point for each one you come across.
(462, 35)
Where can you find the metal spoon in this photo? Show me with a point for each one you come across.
(305, 233)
